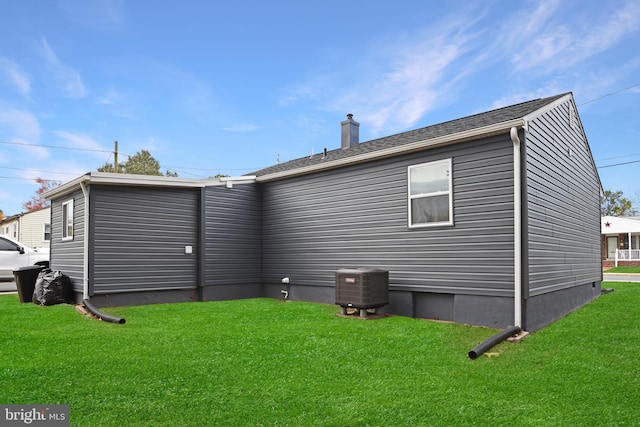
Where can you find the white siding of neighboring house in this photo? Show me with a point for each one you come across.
(32, 227)
(10, 228)
(28, 228)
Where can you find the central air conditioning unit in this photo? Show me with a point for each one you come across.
(361, 288)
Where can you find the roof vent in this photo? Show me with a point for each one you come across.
(350, 132)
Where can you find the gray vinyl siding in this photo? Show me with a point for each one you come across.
(138, 238)
(67, 256)
(357, 217)
(563, 207)
(233, 244)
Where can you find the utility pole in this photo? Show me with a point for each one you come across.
(115, 158)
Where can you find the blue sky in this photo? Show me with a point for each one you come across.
(230, 87)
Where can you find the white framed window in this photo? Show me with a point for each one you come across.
(46, 232)
(14, 230)
(430, 196)
(67, 220)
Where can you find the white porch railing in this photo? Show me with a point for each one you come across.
(627, 255)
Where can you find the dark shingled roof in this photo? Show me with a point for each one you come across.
(434, 131)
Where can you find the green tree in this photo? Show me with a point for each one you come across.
(614, 204)
(141, 163)
(108, 167)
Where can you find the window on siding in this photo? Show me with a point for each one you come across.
(14, 232)
(67, 220)
(430, 195)
(46, 232)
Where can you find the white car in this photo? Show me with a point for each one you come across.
(14, 254)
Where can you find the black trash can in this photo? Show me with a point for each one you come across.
(26, 281)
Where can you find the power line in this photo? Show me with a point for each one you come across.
(27, 179)
(618, 164)
(36, 170)
(122, 154)
(609, 94)
(55, 146)
(618, 157)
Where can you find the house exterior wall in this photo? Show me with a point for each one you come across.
(138, 240)
(11, 227)
(68, 255)
(562, 220)
(233, 242)
(357, 217)
(32, 227)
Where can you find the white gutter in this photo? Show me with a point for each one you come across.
(453, 138)
(85, 248)
(517, 230)
(128, 179)
(244, 179)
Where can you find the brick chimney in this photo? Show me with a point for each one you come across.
(350, 132)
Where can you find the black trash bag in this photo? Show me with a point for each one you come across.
(52, 287)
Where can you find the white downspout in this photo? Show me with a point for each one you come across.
(517, 229)
(85, 238)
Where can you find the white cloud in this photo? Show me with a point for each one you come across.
(315, 89)
(421, 71)
(96, 14)
(22, 128)
(399, 78)
(110, 98)
(610, 30)
(83, 142)
(185, 91)
(116, 104)
(410, 89)
(68, 77)
(523, 96)
(241, 127)
(16, 78)
(23, 124)
(555, 38)
(537, 19)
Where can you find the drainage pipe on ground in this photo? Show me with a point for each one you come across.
(494, 340)
(100, 315)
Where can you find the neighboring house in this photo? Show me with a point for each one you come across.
(9, 226)
(32, 228)
(620, 241)
(491, 219)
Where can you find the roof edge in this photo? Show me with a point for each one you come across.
(548, 107)
(453, 138)
(106, 178)
(567, 97)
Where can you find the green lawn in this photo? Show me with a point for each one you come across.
(624, 269)
(264, 362)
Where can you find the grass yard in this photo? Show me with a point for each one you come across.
(264, 362)
(624, 269)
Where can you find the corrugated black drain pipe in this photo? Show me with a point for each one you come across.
(100, 315)
(494, 340)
